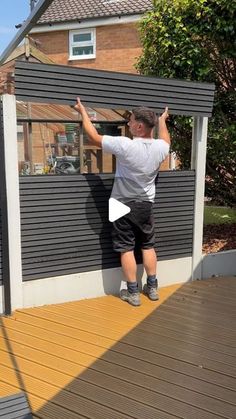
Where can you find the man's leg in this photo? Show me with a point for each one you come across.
(150, 265)
(129, 266)
(149, 261)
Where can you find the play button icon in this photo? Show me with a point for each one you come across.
(117, 209)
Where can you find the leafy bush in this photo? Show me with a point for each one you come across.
(196, 40)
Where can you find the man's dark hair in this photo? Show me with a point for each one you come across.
(145, 115)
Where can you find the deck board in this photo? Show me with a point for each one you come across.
(103, 359)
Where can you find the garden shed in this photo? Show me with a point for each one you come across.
(55, 233)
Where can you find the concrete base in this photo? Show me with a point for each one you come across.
(219, 264)
(98, 283)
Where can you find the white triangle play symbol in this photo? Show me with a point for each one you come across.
(117, 209)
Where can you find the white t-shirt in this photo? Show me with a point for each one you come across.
(138, 161)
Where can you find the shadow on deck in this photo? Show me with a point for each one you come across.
(103, 359)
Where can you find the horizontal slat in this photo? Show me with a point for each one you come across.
(48, 83)
(127, 100)
(100, 192)
(74, 224)
(75, 229)
(44, 70)
(103, 217)
(94, 245)
(67, 196)
(78, 236)
(59, 98)
(88, 208)
(39, 83)
(99, 260)
(84, 183)
(104, 177)
(164, 221)
(32, 247)
(61, 250)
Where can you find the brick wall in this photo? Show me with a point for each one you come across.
(117, 48)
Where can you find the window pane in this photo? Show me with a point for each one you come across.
(83, 50)
(82, 37)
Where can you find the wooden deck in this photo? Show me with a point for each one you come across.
(103, 359)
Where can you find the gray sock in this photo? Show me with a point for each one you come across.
(152, 281)
(132, 287)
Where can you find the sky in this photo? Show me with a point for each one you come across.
(12, 13)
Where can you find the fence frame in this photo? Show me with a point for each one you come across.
(56, 289)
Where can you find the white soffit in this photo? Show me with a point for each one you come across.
(89, 23)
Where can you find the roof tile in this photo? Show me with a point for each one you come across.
(71, 10)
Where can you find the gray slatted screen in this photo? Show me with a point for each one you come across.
(65, 228)
(15, 407)
(0, 246)
(1, 187)
(36, 82)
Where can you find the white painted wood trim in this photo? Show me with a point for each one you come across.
(87, 23)
(198, 163)
(99, 283)
(13, 199)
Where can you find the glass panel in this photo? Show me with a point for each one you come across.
(82, 37)
(59, 145)
(83, 50)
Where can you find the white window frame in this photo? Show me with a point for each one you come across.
(82, 44)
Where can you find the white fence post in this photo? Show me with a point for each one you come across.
(198, 163)
(13, 200)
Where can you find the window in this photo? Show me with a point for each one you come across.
(82, 44)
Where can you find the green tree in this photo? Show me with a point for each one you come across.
(196, 40)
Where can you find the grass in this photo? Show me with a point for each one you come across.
(219, 215)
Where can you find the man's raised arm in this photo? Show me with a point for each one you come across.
(94, 137)
(163, 132)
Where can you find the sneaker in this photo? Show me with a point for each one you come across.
(151, 292)
(133, 299)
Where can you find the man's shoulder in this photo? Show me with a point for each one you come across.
(117, 145)
(119, 140)
(161, 143)
(117, 137)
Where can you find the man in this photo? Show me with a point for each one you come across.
(138, 161)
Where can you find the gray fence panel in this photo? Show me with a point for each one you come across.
(1, 187)
(15, 407)
(37, 82)
(65, 227)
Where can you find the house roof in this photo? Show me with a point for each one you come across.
(24, 52)
(71, 10)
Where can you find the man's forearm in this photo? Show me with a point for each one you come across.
(88, 126)
(163, 132)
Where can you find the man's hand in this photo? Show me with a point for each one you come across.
(162, 128)
(94, 137)
(165, 115)
(79, 107)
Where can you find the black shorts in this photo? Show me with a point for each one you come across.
(134, 229)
